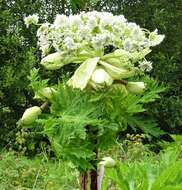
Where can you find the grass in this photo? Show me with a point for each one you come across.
(20, 173)
(137, 169)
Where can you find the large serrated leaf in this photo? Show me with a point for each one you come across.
(168, 175)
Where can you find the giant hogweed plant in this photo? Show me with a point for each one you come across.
(106, 92)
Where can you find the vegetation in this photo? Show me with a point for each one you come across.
(145, 170)
(162, 171)
(18, 172)
(71, 131)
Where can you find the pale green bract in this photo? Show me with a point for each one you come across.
(135, 87)
(57, 60)
(83, 39)
(83, 74)
(30, 115)
(47, 93)
(108, 162)
(100, 76)
(117, 72)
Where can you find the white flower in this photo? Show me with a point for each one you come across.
(145, 43)
(95, 31)
(145, 66)
(84, 33)
(155, 38)
(31, 19)
(120, 19)
(69, 43)
(100, 76)
(75, 20)
(132, 25)
(98, 41)
(137, 34)
(128, 44)
(44, 44)
(106, 21)
(135, 87)
(61, 21)
(44, 29)
(92, 22)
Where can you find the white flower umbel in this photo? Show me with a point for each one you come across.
(155, 38)
(31, 19)
(96, 30)
(69, 43)
(61, 21)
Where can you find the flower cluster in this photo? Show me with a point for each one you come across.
(84, 38)
(95, 30)
(32, 19)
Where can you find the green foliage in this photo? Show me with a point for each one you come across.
(175, 145)
(36, 84)
(149, 173)
(81, 121)
(127, 110)
(18, 54)
(16, 61)
(39, 173)
(70, 113)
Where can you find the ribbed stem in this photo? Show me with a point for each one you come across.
(84, 181)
